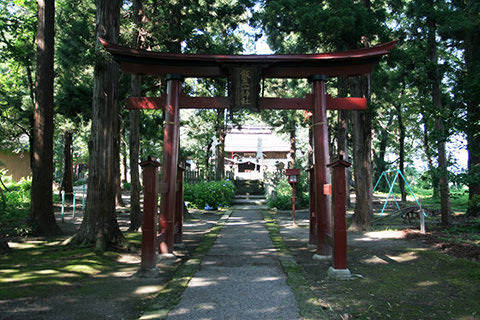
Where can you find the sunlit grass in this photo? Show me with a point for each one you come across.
(36, 265)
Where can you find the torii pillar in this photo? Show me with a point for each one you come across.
(321, 172)
(171, 142)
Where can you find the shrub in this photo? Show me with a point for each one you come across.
(13, 218)
(281, 198)
(214, 193)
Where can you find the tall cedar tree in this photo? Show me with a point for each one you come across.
(41, 207)
(472, 62)
(134, 121)
(99, 225)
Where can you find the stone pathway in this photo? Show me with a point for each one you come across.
(241, 277)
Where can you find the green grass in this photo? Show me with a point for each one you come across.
(35, 268)
(306, 300)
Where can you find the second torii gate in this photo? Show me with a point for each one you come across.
(245, 73)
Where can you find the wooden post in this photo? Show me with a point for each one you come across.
(178, 237)
(150, 199)
(340, 206)
(322, 175)
(170, 160)
(312, 238)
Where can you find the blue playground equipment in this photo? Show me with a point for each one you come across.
(398, 173)
(73, 203)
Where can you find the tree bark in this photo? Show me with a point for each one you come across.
(220, 165)
(379, 158)
(67, 180)
(99, 225)
(118, 172)
(429, 156)
(362, 162)
(293, 148)
(441, 133)
(207, 160)
(134, 141)
(401, 151)
(472, 62)
(41, 206)
(342, 133)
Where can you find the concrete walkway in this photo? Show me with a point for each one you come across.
(241, 277)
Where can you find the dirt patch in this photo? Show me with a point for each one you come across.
(434, 240)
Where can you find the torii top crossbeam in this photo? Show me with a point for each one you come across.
(346, 63)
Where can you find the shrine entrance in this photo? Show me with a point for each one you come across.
(244, 73)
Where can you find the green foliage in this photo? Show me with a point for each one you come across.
(13, 220)
(214, 193)
(281, 198)
(127, 185)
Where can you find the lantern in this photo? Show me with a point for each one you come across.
(292, 175)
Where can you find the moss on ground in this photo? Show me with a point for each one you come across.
(36, 268)
(401, 280)
(307, 302)
(407, 284)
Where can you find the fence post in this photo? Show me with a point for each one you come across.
(150, 200)
(63, 206)
(339, 269)
(74, 203)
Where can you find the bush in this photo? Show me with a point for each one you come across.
(281, 198)
(13, 218)
(212, 193)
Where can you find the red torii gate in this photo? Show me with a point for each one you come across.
(245, 73)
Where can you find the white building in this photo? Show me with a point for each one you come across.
(253, 150)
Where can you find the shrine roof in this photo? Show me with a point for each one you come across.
(345, 63)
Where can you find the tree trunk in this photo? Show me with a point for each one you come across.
(401, 151)
(429, 156)
(41, 206)
(435, 78)
(67, 180)
(134, 118)
(118, 172)
(220, 165)
(379, 157)
(342, 133)
(362, 162)
(207, 159)
(472, 62)
(99, 225)
(293, 148)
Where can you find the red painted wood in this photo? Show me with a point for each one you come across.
(170, 159)
(346, 103)
(340, 221)
(186, 102)
(292, 172)
(312, 238)
(322, 175)
(150, 200)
